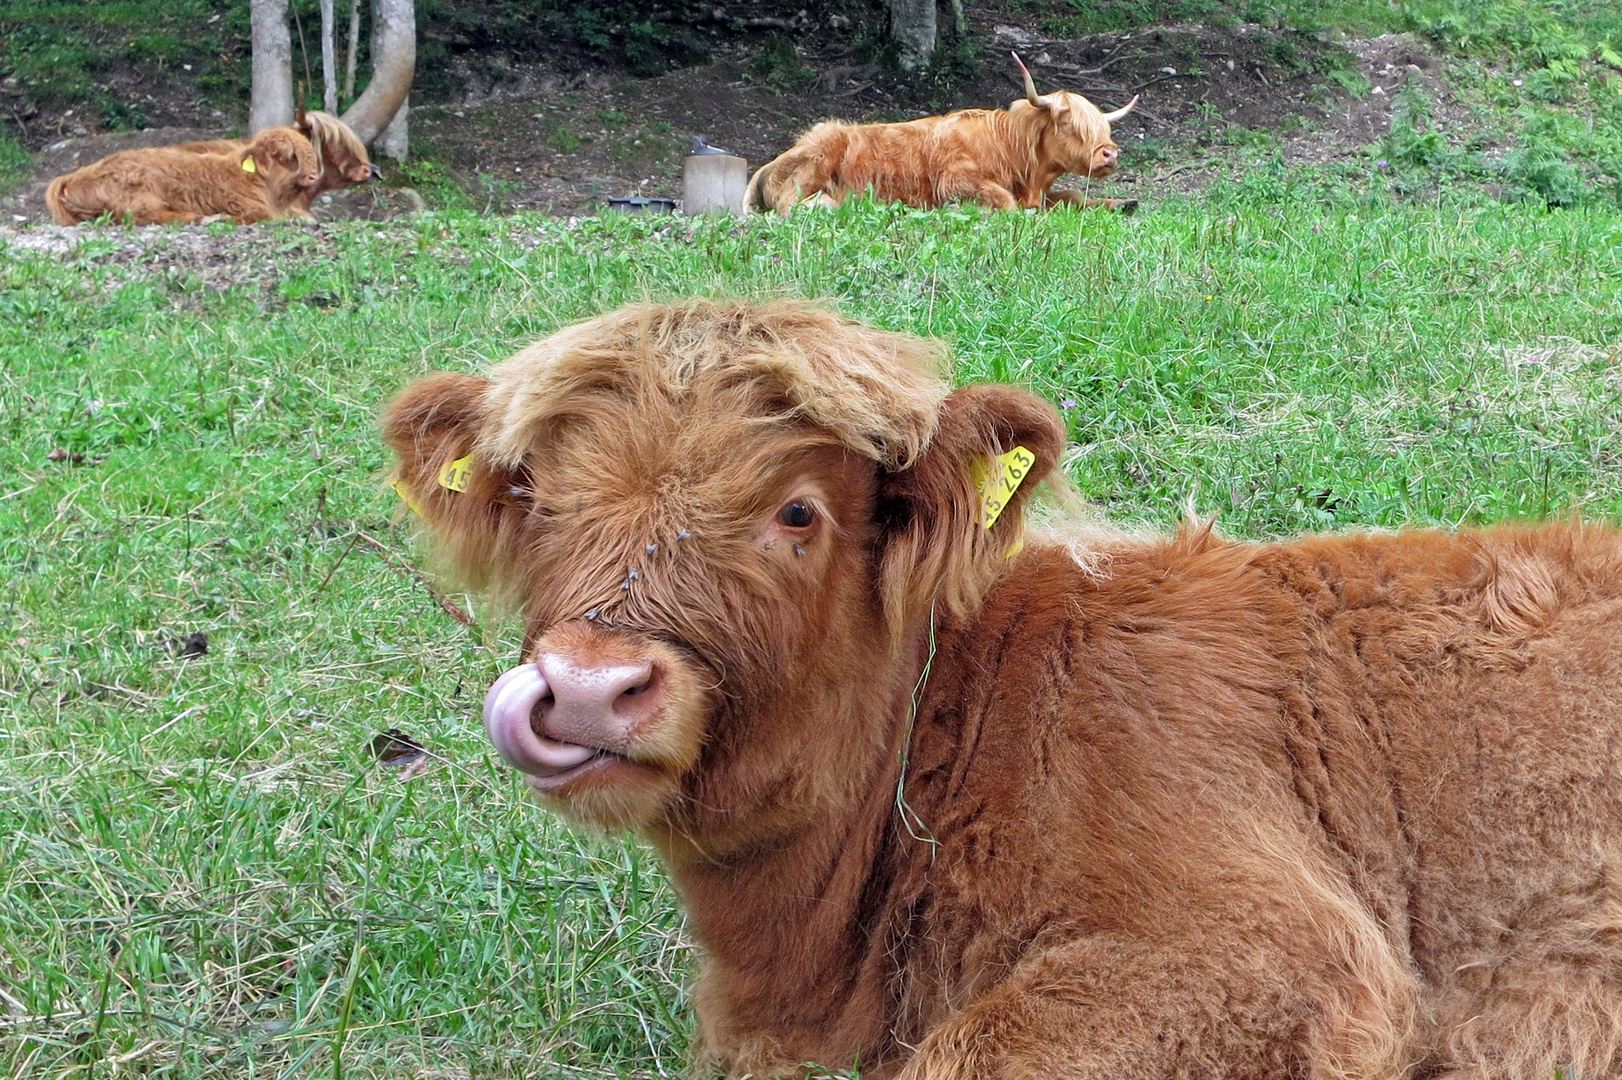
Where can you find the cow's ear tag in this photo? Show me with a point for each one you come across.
(998, 478)
(397, 482)
(249, 165)
(454, 475)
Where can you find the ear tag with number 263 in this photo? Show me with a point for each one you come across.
(998, 478)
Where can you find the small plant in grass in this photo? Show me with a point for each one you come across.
(777, 64)
(1414, 155)
(564, 141)
(1545, 173)
(434, 182)
(1351, 80)
(121, 115)
(16, 164)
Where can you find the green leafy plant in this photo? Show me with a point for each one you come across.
(779, 65)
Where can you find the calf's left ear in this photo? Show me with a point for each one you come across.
(956, 515)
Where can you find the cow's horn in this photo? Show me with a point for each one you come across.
(1111, 117)
(1030, 84)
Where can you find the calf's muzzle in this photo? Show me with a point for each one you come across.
(552, 716)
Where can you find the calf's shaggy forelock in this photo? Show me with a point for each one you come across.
(1346, 807)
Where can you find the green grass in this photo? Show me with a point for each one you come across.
(203, 872)
(16, 164)
(62, 51)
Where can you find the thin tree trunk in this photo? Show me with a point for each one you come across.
(329, 59)
(396, 138)
(272, 103)
(353, 43)
(394, 61)
(912, 28)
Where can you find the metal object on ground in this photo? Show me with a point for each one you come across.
(637, 204)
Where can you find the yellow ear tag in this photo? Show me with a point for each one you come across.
(998, 479)
(399, 485)
(249, 165)
(454, 476)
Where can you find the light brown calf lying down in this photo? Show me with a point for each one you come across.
(343, 157)
(165, 185)
(1120, 808)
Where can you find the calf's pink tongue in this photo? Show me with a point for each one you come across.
(507, 709)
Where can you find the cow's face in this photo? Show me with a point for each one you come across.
(1078, 134)
(285, 159)
(349, 167)
(717, 567)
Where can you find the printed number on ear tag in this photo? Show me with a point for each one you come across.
(454, 475)
(998, 479)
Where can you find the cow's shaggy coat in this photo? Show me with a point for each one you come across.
(1345, 807)
(258, 181)
(1005, 158)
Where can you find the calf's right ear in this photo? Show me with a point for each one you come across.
(432, 428)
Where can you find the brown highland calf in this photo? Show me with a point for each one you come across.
(166, 185)
(1006, 158)
(343, 157)
(1110, 808)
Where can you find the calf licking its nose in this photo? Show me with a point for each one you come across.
(944, 801)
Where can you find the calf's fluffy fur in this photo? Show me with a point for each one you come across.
(260, 180)
(1118, 809)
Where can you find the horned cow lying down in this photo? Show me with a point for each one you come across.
(1349, 806)
(1005, 158)
(166, 185)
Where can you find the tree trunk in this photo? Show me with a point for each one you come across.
(272, 103)
(394, 61)
(351, 45)
(912, 28)
(329, 59)
(395, 140)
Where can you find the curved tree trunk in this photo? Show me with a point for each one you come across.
(272, 103)
(395, 141)
(394, 62)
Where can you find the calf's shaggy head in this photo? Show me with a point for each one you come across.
(724, 524)
(285, 158)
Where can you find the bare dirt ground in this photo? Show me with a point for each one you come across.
(560, 135)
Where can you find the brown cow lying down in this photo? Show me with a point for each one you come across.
(166, 185)
(1348, 806)
(343, 157)
(1006, 158)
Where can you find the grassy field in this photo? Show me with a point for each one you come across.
(204, 871)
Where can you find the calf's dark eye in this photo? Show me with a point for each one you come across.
(796, 515)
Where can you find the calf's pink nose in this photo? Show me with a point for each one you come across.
(508, 708)
(595, 704)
